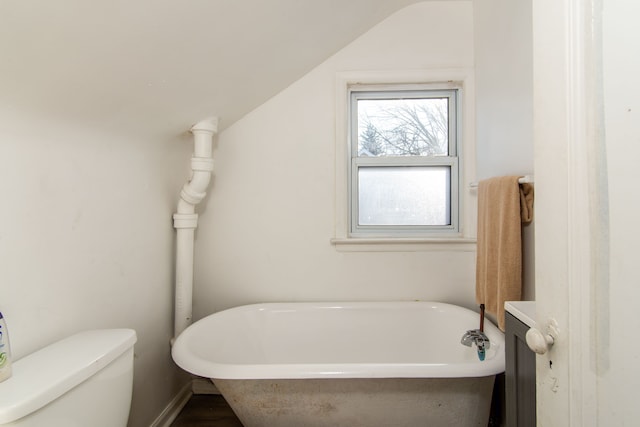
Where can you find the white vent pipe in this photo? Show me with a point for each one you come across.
(185, 221)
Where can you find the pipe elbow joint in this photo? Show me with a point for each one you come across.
(194, 191)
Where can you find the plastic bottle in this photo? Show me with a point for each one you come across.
(5, 351)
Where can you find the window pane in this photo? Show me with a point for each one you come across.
(403, 127)
(404, 195)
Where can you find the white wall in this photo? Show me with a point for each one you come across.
(86, 242)
(265, 232)
(503, 43)
(617, 312)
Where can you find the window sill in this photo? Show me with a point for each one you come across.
(404, 244)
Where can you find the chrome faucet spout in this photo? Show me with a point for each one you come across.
(479, 338)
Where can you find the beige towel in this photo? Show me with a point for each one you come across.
(503, 205)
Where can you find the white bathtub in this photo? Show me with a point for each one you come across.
(345, 364)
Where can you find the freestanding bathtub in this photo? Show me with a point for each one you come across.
(387, 364)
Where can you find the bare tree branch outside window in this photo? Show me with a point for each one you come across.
(403, 127)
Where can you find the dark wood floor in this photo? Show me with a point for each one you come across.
(206, 410)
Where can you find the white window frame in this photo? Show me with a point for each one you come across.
(422, 91)
(461, 240)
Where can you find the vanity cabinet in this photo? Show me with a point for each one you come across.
(520, 375)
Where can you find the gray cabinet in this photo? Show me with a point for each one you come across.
(520, 375)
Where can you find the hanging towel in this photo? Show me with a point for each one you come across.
(503, 205)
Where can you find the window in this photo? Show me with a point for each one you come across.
(403, 173)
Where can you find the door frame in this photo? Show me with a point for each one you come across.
(569, 227)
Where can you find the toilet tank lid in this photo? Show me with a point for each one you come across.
(47, 374)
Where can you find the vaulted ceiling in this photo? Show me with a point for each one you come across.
(161, 65)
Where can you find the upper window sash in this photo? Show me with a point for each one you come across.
(367, 93)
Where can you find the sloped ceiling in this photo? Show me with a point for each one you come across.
(155, 67)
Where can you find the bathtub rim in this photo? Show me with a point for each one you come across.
(227, 371)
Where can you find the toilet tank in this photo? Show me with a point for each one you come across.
(83, 380)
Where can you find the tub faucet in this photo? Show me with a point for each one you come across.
(477, 337)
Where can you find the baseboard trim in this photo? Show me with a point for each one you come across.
(174, 407)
